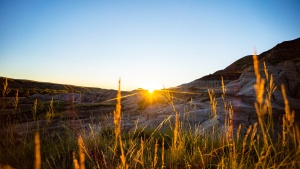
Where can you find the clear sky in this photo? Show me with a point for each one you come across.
(143, 42)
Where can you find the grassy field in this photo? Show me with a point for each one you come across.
(177, 146)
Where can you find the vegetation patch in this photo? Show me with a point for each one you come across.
(173, 147)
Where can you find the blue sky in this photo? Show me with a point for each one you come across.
(145, 43)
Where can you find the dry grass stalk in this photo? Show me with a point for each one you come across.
(117, 116)
(221, 163)
(5, 91)
(223, 86)
(175, 148)
(262, 158)
(81, 154)
(16, 101)
(270, 89)
(238, 133)
(75, 161)
(260, 107)
(223, 95)
(176, 130)
(140, 154)
(254, 132)
(80, 164)
(163, 154)
(34, 109)
(213, 103)
(230, 139)
(37, 161)
(122, 156)
(288, 120)
(117, 127)
(266, 71)
(155, 154)
(260, 83)
(245, 140)
(226, 111)
(50, 112)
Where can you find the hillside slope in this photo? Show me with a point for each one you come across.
(280, 53)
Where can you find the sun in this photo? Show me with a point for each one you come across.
(150, 90)
(151, 87)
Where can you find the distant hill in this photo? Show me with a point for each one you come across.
(29, 87)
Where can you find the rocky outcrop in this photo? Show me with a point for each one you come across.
(282, 52)
(291, 75)
(286, 73)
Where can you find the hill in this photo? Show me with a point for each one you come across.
(29, 87)
(280, 53)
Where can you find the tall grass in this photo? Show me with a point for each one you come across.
(178, 146)
(50, 112)
(5, 92)
(37, 160)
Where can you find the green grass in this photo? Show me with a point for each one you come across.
(174, 146)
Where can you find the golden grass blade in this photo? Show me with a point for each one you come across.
(81, 153)
(75, 161)
(37, 161)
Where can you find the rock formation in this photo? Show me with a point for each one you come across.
(282, 62)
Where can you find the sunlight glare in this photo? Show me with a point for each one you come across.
(150, 90)
(151, 87)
